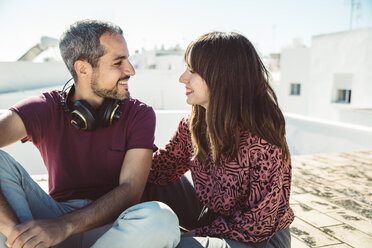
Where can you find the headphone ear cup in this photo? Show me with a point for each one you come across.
(109, 112)
(83, 116)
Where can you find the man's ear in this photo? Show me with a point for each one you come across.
(83, 69)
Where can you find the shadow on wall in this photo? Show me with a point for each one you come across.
(306, 135)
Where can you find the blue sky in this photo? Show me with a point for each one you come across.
(269, 24)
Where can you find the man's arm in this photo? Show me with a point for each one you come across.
(12, 129)
(8, 218)
(133, 177)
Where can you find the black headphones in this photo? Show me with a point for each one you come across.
(84, 116)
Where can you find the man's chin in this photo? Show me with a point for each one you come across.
(112, 94)
(123, 96)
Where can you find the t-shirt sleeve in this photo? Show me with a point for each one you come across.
(142, 131)
(35, 112)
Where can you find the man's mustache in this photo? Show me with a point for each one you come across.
(124, 78)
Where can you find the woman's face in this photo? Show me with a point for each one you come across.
(197, 91)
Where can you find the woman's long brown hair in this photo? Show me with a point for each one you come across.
(240, 97)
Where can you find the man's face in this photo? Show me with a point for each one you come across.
(110, 77)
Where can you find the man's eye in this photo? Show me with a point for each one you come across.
(118, 63)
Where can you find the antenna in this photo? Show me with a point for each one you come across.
(355, 6)
(351, 15)
(273, 28)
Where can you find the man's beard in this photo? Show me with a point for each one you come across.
(111, 93)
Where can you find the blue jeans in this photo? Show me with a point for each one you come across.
(148, 224)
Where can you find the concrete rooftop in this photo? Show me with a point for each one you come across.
(331, 198)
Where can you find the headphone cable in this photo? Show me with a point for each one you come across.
(64, 86)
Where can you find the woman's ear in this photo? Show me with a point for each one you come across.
(83, 69)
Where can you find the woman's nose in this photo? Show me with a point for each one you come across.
(184, 78)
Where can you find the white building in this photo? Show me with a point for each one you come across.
(331, 79)
(159, 59)
(156, 80)
(272, 64)
(40, 66)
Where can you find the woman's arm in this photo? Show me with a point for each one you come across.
(172, 161)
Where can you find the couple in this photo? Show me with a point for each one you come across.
(97, 144)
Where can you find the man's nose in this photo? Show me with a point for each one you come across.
(129, 69)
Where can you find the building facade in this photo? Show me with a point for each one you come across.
(331, 80)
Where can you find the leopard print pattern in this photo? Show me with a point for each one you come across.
(250, 194)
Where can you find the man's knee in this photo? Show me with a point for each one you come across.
(148, 224)
(160, 214)
(156, 217)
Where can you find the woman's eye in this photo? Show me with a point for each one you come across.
(191, 71)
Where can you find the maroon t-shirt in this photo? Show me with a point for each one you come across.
(80, 164)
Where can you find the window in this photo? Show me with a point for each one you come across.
(343, 96)
(295, 89)
(342, 86)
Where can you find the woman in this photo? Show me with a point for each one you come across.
(234, 145)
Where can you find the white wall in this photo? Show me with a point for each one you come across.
(346, 53)
(360, 116)
(29, 75)
(294, 64)
(307, 135)
(159, 88)
(9, 99)
(170, 62)
(166, 124)
(161, 59)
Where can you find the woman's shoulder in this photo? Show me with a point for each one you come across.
(184, 125)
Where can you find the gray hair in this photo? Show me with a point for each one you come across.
(81, 42)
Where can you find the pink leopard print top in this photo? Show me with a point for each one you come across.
(249, 194)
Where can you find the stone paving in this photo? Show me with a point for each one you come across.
(331, 198)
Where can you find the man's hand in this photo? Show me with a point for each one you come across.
(38, 233)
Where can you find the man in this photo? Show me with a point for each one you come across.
(97, 145)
